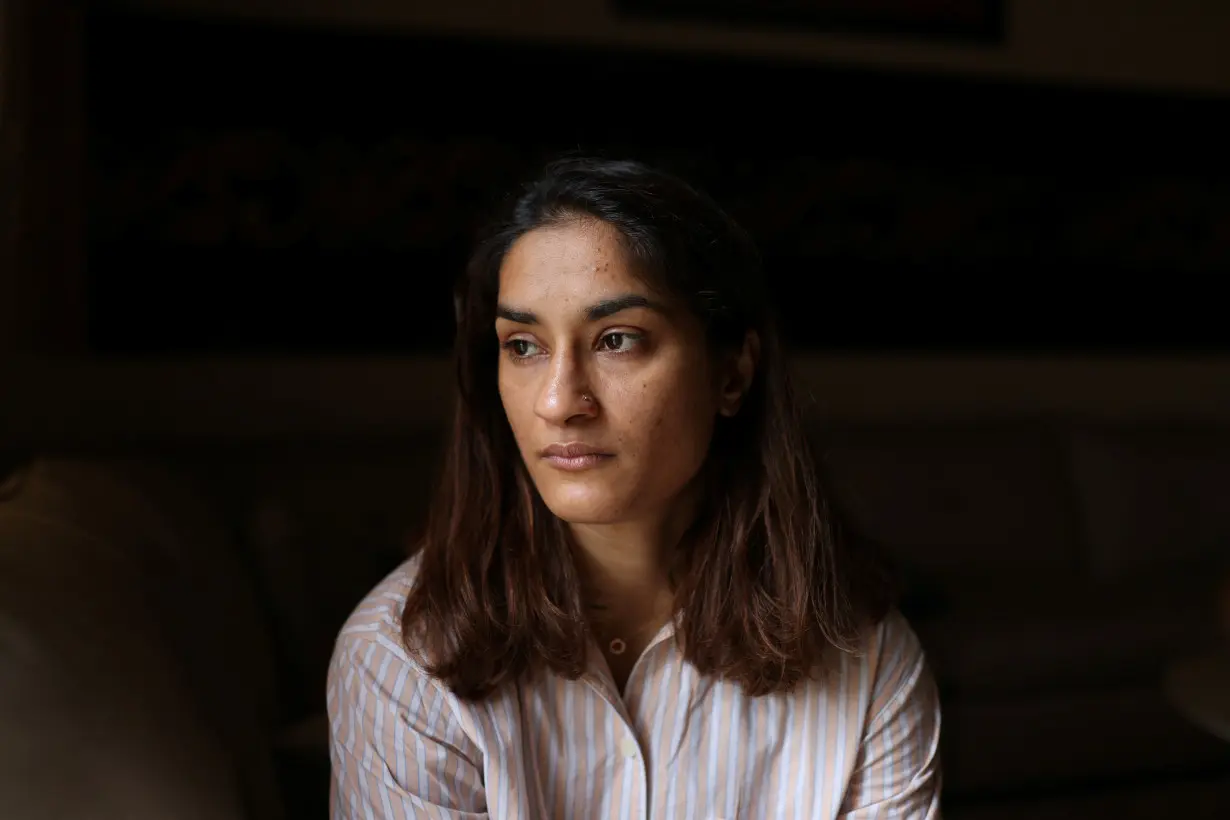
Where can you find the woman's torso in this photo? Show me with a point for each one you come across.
(675, 745)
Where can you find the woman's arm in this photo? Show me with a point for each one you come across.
(897, 773)
(397, 749)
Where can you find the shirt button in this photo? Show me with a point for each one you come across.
(629, 747)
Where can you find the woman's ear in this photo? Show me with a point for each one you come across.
(738, 374)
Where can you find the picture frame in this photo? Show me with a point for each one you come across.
(972, 21)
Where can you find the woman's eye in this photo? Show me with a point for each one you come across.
(618, 342)
(521, 348)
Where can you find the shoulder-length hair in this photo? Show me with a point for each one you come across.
(764, 588)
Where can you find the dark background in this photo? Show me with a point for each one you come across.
(298, 191)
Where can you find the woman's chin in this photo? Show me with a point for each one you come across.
(575, 505)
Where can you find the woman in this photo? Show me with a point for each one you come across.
(630, 601)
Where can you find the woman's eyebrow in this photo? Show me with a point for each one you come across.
(521, 317)
(593, 313)
(609, 307)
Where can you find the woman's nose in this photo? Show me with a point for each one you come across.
(565, 393)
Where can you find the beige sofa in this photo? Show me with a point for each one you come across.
(166, 612)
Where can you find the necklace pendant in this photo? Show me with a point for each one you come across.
(617, 647)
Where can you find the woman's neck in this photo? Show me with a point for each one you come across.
(626, 590)
(617, 558)
(625, 567)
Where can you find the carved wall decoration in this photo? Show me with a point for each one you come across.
(265, 189)
(315, 201)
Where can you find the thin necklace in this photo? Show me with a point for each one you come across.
(616, 646)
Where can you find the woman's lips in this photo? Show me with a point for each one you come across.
(575, 456)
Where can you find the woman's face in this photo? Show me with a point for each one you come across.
(608, 387)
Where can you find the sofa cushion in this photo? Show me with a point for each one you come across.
(321, 525)
(132, 652)
(1034, 634)
(1018, 744)
(964, 500)
(1154, 499)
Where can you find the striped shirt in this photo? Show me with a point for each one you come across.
(861, 744)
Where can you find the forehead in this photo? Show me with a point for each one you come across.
(577, 261)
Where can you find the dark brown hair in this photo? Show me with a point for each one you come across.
(764, 586)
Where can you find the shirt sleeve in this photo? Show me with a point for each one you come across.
(897, 772)
(397, 749)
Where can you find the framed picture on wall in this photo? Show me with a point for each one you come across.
(969, 20)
